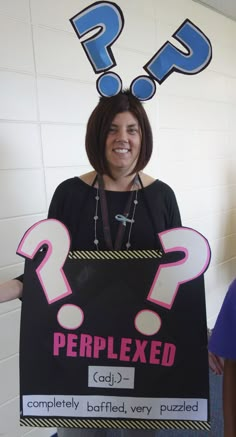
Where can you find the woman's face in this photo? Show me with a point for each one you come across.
(123, 143)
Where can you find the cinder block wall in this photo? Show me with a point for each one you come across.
(47, 89)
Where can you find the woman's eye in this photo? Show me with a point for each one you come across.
(112, 129)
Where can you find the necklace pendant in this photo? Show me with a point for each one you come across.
(128, 245)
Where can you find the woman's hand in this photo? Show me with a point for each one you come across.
(10, 290)
(216, 363)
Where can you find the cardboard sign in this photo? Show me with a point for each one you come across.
(114, 339)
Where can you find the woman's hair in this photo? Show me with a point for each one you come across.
(99, 124)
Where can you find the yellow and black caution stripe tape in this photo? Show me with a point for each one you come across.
(115, 254)
(117, 423)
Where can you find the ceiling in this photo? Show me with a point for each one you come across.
(225, 7)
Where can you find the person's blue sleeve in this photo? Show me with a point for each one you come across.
(223, 338)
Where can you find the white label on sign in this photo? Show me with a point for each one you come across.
(114, 406)
(111, 377)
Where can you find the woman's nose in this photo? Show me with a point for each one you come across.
(122, 136)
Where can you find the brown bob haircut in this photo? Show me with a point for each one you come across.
(99, 124)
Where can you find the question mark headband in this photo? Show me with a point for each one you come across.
(108, 19)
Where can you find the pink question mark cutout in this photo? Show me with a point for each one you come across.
(55, 236)
(170, 276)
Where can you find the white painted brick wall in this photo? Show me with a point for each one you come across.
(47, 89)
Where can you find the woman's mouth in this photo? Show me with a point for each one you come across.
(121, 150)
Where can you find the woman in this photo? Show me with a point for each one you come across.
(119, 146)
(222, 343)
(116, 206)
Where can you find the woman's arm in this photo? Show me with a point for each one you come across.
(13, 289)
(10, 290)
(229, 398)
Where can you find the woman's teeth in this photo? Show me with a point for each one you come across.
(121, 150)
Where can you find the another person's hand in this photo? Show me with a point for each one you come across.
(216, 363)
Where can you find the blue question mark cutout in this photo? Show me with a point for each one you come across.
(108, 18)
(143, 87)
(169, 59)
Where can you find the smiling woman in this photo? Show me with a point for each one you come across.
(123, 144)
(119, 120)
(114, 207)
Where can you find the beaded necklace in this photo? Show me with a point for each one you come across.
(122, 218)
